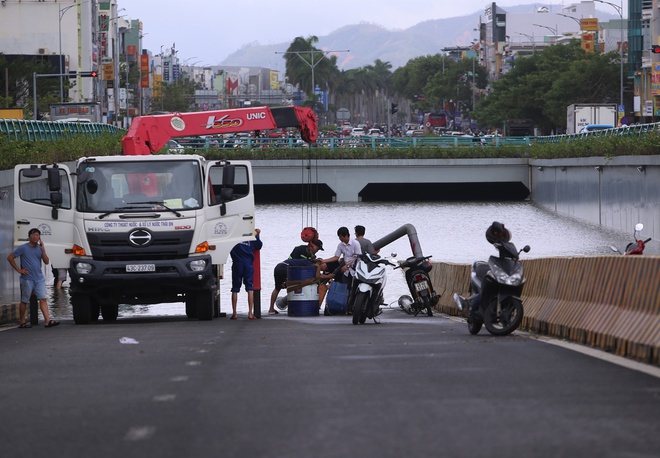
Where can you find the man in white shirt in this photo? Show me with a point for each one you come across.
(348, 250)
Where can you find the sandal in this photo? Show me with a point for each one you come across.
(252, 317)
(25, 325)
(233, 317)
(273, 312)
(52, 324)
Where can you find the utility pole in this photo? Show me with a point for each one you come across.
(311, 63)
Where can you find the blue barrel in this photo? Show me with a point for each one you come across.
(303, 301)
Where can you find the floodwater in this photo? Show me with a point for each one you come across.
(449, 231)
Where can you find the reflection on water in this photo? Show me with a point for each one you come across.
(449, 231)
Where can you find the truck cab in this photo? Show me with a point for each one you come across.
(138, 229)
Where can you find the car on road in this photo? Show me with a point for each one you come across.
(374, 133)
(414, 133)
(357, 132)
(174, 147)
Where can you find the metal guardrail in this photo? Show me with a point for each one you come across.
(432, 141)
(212, 143)
(19, 129)
(23, 129)
(636, 130)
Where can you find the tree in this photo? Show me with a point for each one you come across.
(411, 80)
(16, 78)
(301, 57)
(540, 87)
(177, 96)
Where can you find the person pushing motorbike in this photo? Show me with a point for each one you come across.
(495, 234)
(497, 285)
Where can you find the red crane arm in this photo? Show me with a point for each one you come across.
(149, 134)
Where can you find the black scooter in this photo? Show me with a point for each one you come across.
(417, 277)
(500, 282)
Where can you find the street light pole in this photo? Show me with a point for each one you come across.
(531, 39)
(62, 11)
(619, 9)
(551, 29)
(312, 65)
(571, 17)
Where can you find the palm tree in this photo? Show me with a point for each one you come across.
(304, 63)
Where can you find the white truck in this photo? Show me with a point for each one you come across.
(147, 229)
(580, 115)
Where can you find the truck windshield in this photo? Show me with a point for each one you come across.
(139, 186)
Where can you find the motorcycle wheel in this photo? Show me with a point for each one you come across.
(507, 321)
(474, 326)
(359, 308)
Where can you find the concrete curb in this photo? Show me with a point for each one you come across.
(8, 314)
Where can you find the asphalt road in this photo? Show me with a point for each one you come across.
(314, 387)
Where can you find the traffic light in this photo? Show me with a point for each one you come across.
(394, 108)
(655, 49)
(88, 74)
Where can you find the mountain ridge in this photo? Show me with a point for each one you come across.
(369, 41)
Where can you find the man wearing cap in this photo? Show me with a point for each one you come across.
(307, 251)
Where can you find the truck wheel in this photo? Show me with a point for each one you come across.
(216, 304)
(191, 306)
(94, 310)
(82, 308)
(204, 301)
(110, 312)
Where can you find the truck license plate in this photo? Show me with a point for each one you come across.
(141, 268)
(421, 286)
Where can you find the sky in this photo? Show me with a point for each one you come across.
(205, 32)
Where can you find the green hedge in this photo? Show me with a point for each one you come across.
(20, 152)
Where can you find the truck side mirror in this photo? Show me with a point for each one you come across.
(54, 179)
(228, 176)
(56, 199)
(227, 191)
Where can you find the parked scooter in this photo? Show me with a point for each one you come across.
(369, 284)
(417, 277)
(636, 247)
(497, 286)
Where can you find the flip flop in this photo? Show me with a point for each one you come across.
(25, 325)
(252, 317)
(52, 324)
(273, 312)
(233, 317)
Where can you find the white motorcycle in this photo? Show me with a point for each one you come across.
(369, 283)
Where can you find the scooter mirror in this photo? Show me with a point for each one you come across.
(639, 227)
(393, 255)
(615, 249)
(526, 249)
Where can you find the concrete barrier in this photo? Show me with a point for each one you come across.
(607, 302)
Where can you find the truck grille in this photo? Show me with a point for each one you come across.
(163, 246)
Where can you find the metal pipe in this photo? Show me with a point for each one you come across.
(406, 229)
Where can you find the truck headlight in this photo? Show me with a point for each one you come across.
(197, 265)
(83, 268)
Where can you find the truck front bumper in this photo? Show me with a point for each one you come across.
(142, 281)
